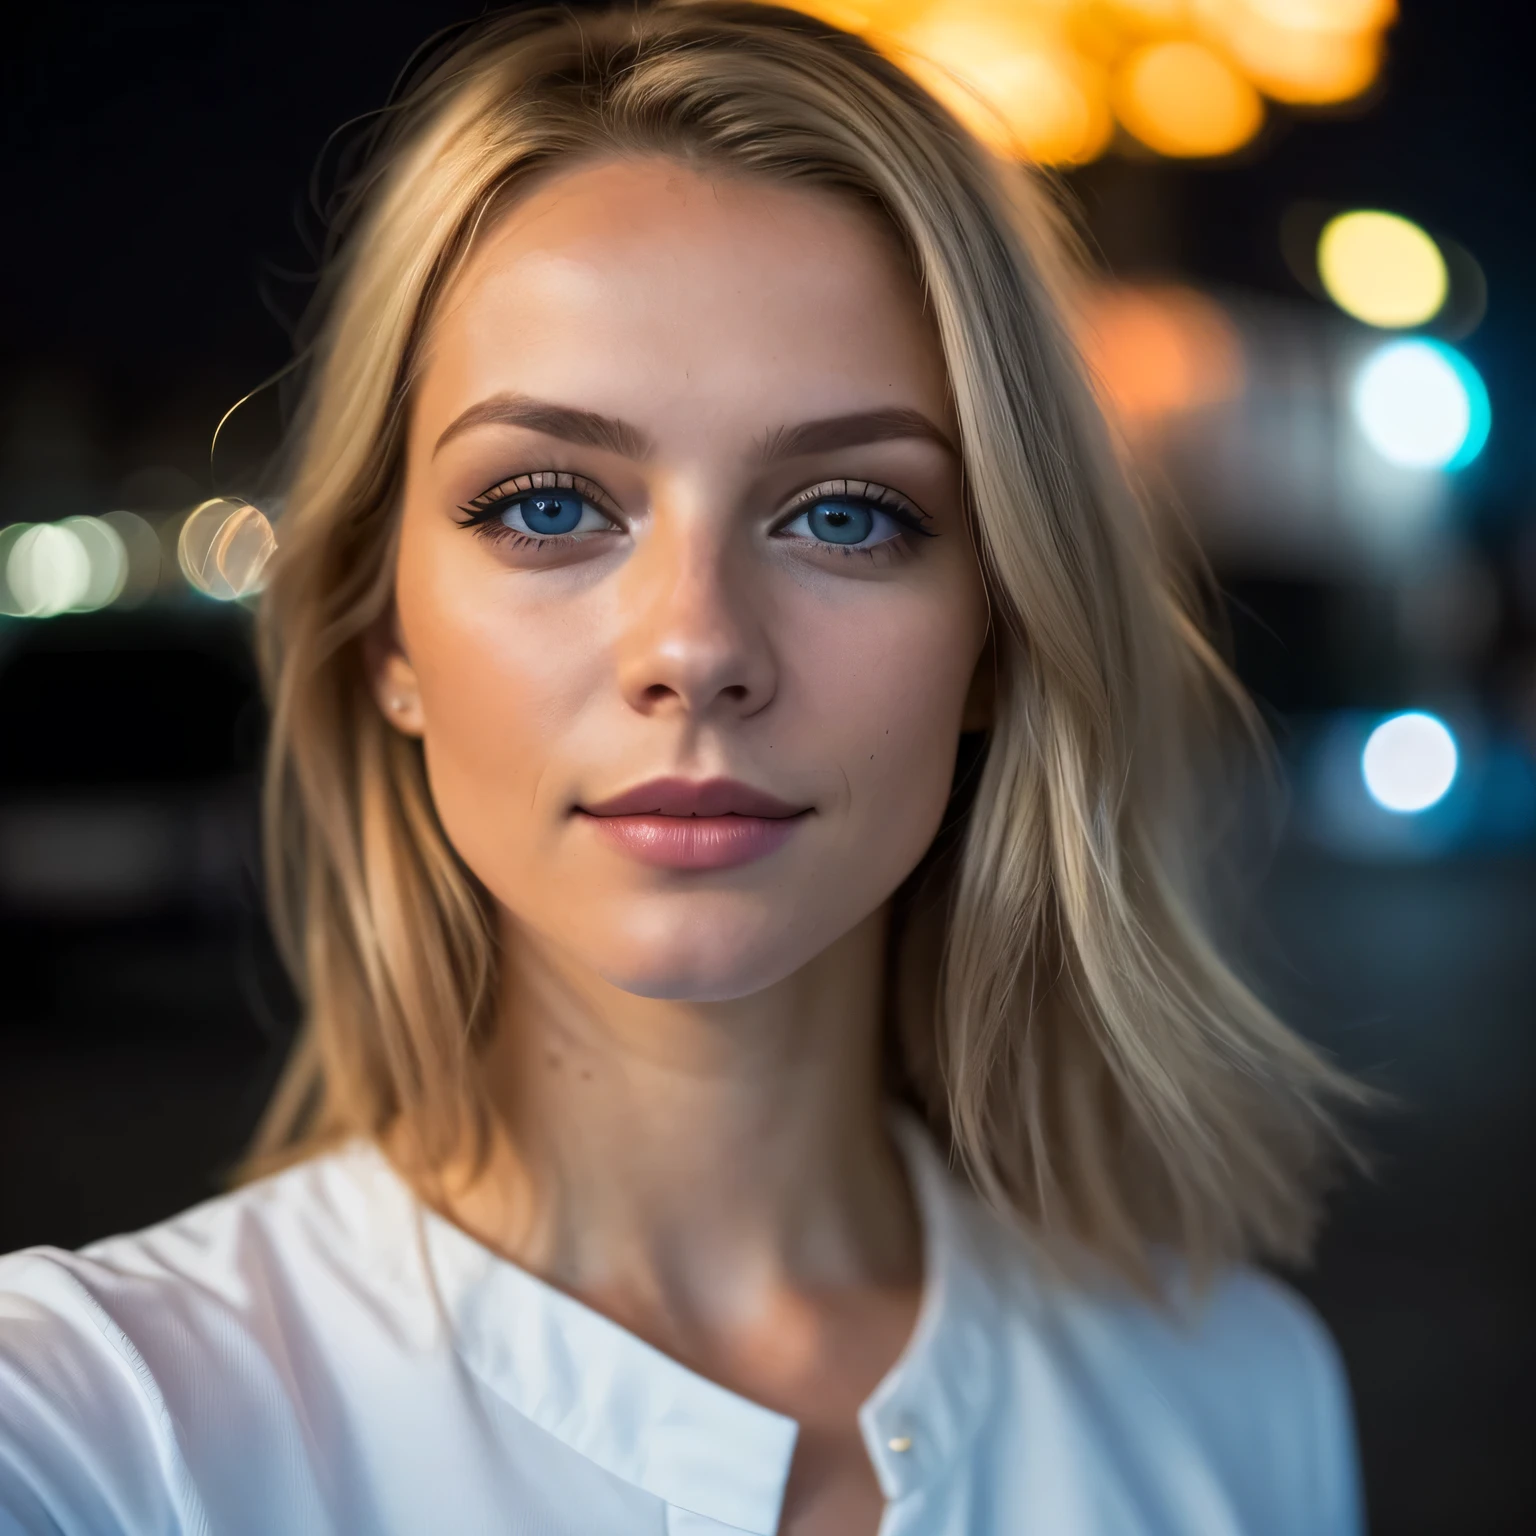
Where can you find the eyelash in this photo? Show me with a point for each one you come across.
(482, 515)
(892, 503)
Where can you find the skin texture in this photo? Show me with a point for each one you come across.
(686, 1068)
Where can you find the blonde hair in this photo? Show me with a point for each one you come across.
(1077, 1042)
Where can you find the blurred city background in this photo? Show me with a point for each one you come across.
(1313, 220)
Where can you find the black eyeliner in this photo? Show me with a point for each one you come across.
(483, 510)
(882, 498)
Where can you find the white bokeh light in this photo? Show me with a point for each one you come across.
(48, 570)
(1409, 762)
(1422, 405)
(108, 559)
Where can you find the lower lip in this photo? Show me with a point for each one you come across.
(696, 842)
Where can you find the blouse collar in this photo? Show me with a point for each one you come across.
(645, 1418)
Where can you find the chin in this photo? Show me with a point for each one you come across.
(703, 951)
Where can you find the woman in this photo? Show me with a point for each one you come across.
(730, 734)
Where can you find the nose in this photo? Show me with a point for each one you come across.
(692, 639)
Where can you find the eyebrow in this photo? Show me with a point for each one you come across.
(593, 430)
(588, 428)
(852, 431)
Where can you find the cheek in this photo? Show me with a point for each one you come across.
(499, 679)
(891, 710)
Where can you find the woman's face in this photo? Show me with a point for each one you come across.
(686, 606)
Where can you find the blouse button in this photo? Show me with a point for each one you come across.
(899, 1443)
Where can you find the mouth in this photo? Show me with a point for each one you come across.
(695, 824)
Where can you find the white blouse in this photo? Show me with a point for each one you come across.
(319, 1352)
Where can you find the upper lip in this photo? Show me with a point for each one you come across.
(693, 797)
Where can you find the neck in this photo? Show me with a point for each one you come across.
(693, 1163)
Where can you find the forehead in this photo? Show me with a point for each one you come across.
(638, 285)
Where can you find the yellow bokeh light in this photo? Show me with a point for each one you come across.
(1182, 99)
(1382, 269)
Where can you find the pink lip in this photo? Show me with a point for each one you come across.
(683, 824)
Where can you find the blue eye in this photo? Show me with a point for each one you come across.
(850, 521)
(840, 522)
(548, 514)
(550, 508)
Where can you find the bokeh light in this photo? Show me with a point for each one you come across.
(1183, 99)
(141, 548)
(1032, 77)
(1303, 52)
(1160, 351)
(1154, 15)
(857, 15)
(10, 535)
(1422, 405)
(47, 571)
(1409, 762)
(224, 546)
(1017, 88)
(1325, 15)
(1382, 269)
(107, 558)
(74, 566)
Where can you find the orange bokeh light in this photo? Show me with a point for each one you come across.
(1019, 87)
(850, 15)
(1303, 64)
(1324, 15)
(1157, 352)
(1183, 99)
(1046, 79)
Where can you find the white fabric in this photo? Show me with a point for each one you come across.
(320, 1353)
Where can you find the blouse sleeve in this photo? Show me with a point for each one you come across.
(1337, 1505)
(85, 1443)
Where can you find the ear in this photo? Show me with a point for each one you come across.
(391, 675)
(981, 696)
